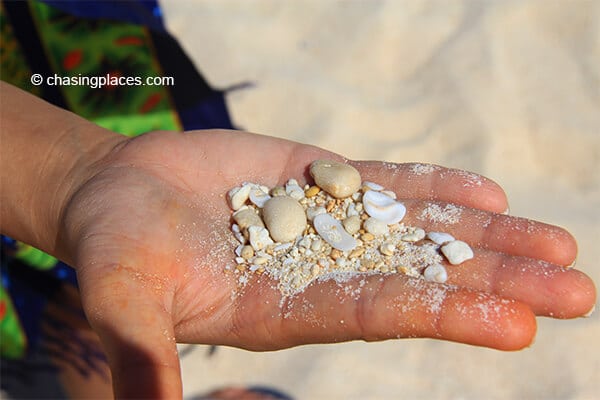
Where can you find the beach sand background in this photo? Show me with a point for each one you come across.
(507, 89)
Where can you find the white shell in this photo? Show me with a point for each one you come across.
(436, 273)
(440, 237)
(338, 179)
(259, 237)
(332, 231)
(383, 207)
(259, 197)
(376, 226)
(312, 212)
(457, 252)
(351, 210)
(387, 248)
(239, 195)
(285, 218)
(294, 190)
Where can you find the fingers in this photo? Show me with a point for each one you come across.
(432, 182)
(136, 332)
(549, 289)
(376, 308)
(497, 232)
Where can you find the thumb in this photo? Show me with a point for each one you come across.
(136, 331)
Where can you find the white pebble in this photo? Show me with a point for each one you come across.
(414, 236)
(284, 218)
(436, 273)
(457, 252)
(383, 207)
(440, 237)
(239, 195)
(259, 197)
(316, 244)
(338, 179)
(351, 210)
(294, 190)
(376, 226)
(352, 224)
(332, 231)
(259, 237)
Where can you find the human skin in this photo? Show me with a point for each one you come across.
(143, 222)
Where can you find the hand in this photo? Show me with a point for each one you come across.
(149, 234)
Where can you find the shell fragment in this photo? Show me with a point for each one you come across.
(457, 252)
(332, 231)
(383, 207)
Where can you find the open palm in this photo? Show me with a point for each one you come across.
(149, 235)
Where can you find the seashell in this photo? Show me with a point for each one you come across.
(457, 252)
(414, 236)
(239, 195)
(435, 273)
(352, 224)
(332, 231)
(376, 226)
(259, 237)
(247, 217)
(387, 248)
(383, 207)
(259, 197)
(284, 218)
(338, 179)
(389, 193)
(440, 237)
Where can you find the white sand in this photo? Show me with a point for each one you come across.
(508, 89)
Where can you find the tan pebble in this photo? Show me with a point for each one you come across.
(315, 270)
(316, 245)
(312, 191)
(285, 218)
(403, 269)
(338, 179)
(247, 252)
(341, 262)
(368, 264)
(335, 254)
(260, 270)
(352, 224)
(367, 237)
(241, 267)
(330, 205)
(384, 269)
(259, 260)
(239, 195)
(362, 269)
(247, 217)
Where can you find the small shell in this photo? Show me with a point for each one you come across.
(435, 273)
(440, 237)
(312, 212)
(294, 190)
(352, 224)
(457, 252)
(284, 218)
(338, 179)
(383, 207)
(239, 195)
(387, 248)
(259, 237)
(376, 226)
(259, 197)
(332, 231)
(247, 217)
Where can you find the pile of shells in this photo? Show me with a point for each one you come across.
(341, 225)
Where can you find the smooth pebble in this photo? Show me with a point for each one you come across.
(376, 226)
(239, 195)
(352, 224)
(457, 252)
(440, 237)
(435, 273)
(284, 217)
(338, 179)
(259, 237)
(259, 197)
(247, 217)
(383, 207)
(332, 231)
(414, 236)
